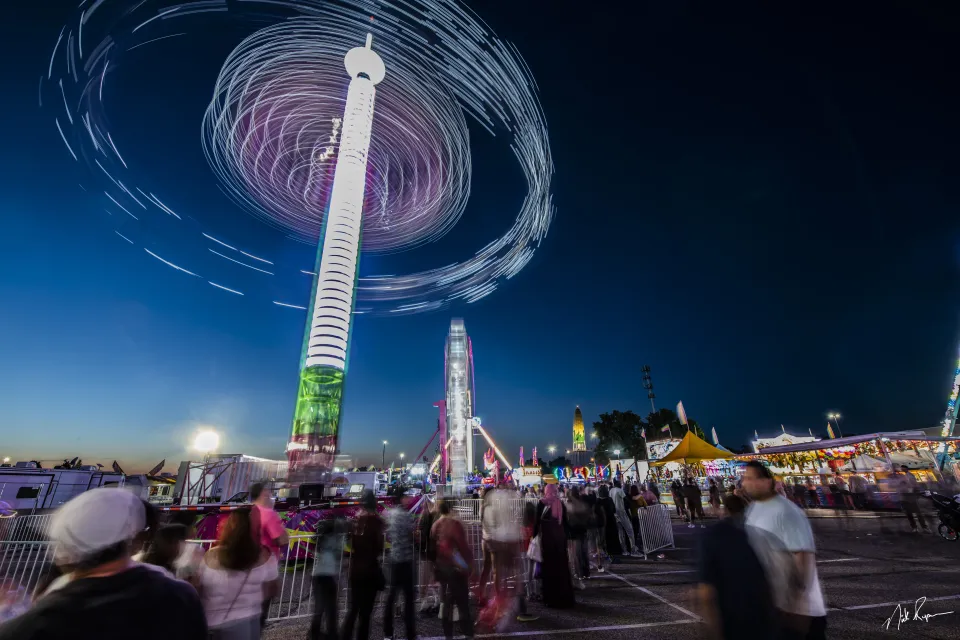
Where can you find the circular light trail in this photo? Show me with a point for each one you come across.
(271, 133)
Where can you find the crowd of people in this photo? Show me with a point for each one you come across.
(116, 564)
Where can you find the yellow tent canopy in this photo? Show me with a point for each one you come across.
(693, 449)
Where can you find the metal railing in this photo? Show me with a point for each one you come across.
(656, 530)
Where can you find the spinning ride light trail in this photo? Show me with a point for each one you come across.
(273, 134)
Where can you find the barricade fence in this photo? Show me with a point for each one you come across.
(25, 563)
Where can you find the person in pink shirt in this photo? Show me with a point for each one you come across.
(268, 528)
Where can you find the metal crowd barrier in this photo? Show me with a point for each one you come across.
(656, 530)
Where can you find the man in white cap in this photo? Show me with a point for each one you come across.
(109, 596)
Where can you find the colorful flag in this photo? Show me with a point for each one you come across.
(830, 431)
(681, 413)
(666, 428)
(643, 433)
(716, 440)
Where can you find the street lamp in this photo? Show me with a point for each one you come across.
(552, 449)
(836, 418)
(401, 461)
(383, 463)
(6, 459)
(594, 436)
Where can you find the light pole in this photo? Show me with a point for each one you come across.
(401, 461)
(383, 462)
(836, 418)
(552, 449)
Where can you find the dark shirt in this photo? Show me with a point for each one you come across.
(729, 564)
(366, 547)
(138, 603)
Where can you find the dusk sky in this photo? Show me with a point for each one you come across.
(761, 204)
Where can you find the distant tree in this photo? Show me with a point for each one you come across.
(666, 417)
(620, 430)
(547, 466)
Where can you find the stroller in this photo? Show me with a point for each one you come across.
(949, 511)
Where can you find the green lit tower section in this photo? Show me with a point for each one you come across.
(323, 366)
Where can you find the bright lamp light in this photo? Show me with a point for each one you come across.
(206, 441)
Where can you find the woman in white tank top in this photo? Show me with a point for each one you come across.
(235, 577)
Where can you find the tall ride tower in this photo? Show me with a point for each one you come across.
(323, 364)
(458, 377)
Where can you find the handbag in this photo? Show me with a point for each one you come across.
(535, 548)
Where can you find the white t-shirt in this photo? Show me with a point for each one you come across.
(618, 495)
(243, 589)
(790, 527)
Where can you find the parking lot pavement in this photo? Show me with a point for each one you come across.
(865, 571)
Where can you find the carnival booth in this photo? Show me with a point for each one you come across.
(693, 457)
(866, 464)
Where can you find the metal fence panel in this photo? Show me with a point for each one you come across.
(656, 530)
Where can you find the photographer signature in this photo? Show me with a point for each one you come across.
(901, 614)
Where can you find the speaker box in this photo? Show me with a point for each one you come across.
(311, 492)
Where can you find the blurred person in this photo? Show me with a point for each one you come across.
(909, 490)
(453, 566)
(528, 520)
(326, 570)
(487, 516)
(268, 528)
(400, 523)
(714, 497)
(694, 499)
(611, 539)
(579, 514)
(551, 526)
(236, 577)
(812, 495)
(654, 489)
(803, 613)
(187, 564)
(733, 591)
(107, 596)
(598, 531)
(621, 521)
(676, 490)
(648, 495)
(428, 556)
(858, 487)
(366, 576)
(165, 548)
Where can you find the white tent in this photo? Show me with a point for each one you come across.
(911, 460)
(865, 463)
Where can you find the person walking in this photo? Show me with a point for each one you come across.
(608, 530)
(366, 576)
(326, 570)
(453, 567)
(676, 490)
(551, 526)
(694, 499)
(269, 529)
(579, 514)
(803, 613)
(487, 518)
(715, 498)
(235, 578)
(399, 532)
(733, 591)
(909, 490)
(428, 555)
(108, 596)
(621, 521)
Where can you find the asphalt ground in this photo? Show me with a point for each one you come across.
(866, 565)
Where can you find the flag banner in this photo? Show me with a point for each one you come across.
(756, 436)
(830, 431)
(643, 433)
(681, 413)
(666, 428)
(716, 440)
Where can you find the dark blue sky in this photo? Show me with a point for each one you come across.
(761, 205)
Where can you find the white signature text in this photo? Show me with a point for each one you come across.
(904, 614)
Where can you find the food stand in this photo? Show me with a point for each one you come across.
(866, 463)
(692, 457)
